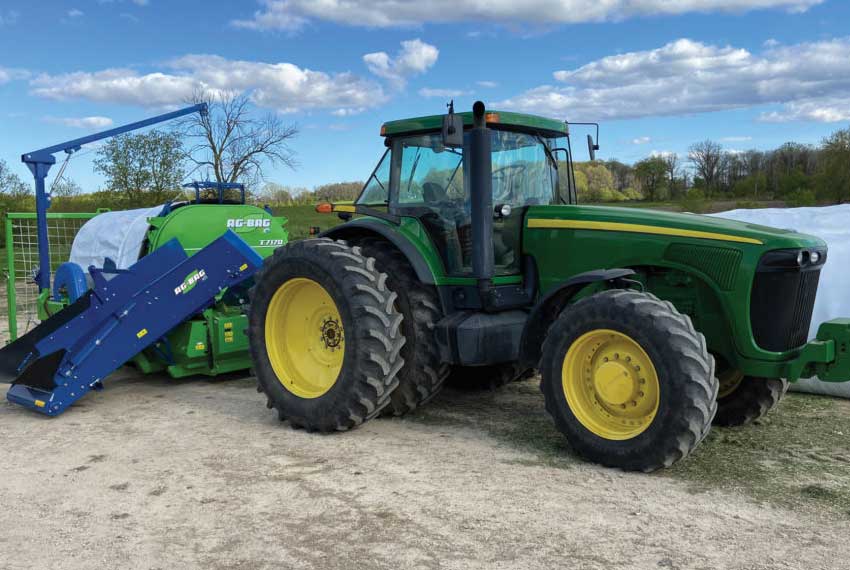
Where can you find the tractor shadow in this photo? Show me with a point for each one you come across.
(513, 415)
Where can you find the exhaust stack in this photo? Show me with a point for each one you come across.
(481, 196)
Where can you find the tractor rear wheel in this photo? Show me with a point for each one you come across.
(423, 373)
(325, 335)
(628, 380)
(744, 399)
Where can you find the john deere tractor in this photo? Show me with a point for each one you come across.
(467, 251)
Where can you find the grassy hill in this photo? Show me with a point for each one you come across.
(301, 218)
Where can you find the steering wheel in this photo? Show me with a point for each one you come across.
(506, 171)
(437, 200)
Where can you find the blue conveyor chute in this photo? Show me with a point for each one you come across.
(126, 311)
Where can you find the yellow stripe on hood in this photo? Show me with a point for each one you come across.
(545, 223)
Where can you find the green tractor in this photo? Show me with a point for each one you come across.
(467, 253)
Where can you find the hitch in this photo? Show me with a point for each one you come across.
(827, 357)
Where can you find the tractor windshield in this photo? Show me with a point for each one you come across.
(421, 177)
(524, 171)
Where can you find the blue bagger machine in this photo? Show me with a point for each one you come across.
(126, 311)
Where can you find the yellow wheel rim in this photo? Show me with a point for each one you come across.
(305, 340)
(610, 384)
(729, 381)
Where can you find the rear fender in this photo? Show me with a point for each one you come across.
(364, 228)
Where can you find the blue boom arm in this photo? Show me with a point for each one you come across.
(40, 161)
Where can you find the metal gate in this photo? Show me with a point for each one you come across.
(22, 263)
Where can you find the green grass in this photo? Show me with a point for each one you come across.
(301, 218)
(705, 206)
(797, 457)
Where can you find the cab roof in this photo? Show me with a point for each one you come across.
(550, 127)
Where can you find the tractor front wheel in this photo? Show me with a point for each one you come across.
(628, 380)
(325, 335)
(744, 399)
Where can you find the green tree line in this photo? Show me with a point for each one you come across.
(795, 173)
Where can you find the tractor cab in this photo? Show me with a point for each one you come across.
(427, 173)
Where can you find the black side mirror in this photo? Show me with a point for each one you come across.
(592, 147)
(452, 128)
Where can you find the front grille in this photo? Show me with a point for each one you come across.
(781, 306)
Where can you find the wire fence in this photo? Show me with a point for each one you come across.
(22, 264)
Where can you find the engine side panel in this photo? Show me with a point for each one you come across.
(708, 278)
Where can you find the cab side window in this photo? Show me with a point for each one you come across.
(376, 191)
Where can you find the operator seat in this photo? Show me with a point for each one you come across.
(433, 193)
(443, 224)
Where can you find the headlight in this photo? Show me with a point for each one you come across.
(784, 259)
(502, 210)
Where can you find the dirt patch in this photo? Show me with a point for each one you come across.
(472, 481)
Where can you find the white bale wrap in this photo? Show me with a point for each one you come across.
(116, 235)
(832, 224)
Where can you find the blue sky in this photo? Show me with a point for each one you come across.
(658, 74)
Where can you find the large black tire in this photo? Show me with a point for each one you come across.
(482, 377)
(423, 373)
(686, 387)
(370, 324)
(747, 398)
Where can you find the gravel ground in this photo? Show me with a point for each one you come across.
(157, 473)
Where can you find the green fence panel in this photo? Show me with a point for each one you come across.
(22, 262)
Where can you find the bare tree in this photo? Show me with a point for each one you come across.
(706, 157)
(232, 143)
(671, 161)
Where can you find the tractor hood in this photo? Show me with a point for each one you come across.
(671, 224)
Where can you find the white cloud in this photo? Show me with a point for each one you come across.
(284, 87)
(8, 74)
(661, 154)
(642, 140)
(442, 93)
(809, 81)
(8, 17)
(116, 86)
(136, 2)
(88, 123)
(414, 57)
(736, 139)
(487, 84)
(294, 14)
(820, 109)
(75, 13)
(347, 112)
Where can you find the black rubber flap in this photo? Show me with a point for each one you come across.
(14, 355)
